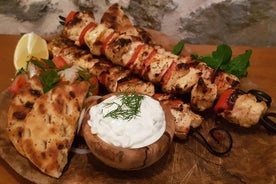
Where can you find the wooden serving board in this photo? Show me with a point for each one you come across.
(252, 159)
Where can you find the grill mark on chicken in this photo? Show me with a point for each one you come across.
(233, 83)
(72, 94)
(144, 35)
(121, 42)
(76, 20)
(185, 66)
(202, 85)
(125, 79)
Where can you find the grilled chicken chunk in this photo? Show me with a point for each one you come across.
(184, 117)
(74, 27)
(203, 95)
(116, 19)
(246, 111)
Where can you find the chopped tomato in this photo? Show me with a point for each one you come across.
(222, 103)
(168, 73)
(70, 16)
(94, 85)
(18, 83)
(59, 62)
(84, 31)
(135, 55)
(107, 40)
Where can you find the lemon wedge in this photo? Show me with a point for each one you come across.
(29, 45)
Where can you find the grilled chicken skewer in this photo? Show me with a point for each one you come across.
(175, 74)
(116, 79)
(128, 48)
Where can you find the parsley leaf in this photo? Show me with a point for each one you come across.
(50, 63)
(20, 71)
(84, 75)
(37, 63)
(49, 79)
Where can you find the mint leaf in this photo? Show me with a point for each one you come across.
(219, 57)
(178, 47)
(210, 61)
(238, 66)
(221, 60)
(222, 55)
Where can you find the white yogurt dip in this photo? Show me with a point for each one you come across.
(143, 129)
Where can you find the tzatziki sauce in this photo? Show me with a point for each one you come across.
(146, 127)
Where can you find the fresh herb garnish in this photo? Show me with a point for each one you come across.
(221, 60)
(37, 63)
(20, 71)
(84, 75)
(49, 79)
(50, 63)
(178, 47)
(129, 107)
(238, 66)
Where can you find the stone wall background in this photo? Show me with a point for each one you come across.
(235, 22)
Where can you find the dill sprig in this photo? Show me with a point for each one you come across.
(129, 107)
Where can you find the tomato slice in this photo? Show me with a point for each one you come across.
(168, 73)
(107, 40)
(148, 60)
(59, 62)
(18, 83)
(70, 16)
(94, 85)
(135, 55)
(222, 103)
(91, 25)
(174, 103)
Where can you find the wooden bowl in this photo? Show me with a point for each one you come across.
(128, 158)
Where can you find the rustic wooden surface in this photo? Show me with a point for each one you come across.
(252, 160)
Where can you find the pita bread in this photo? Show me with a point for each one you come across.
(42, 126)
(51, 125)
(21, 105)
